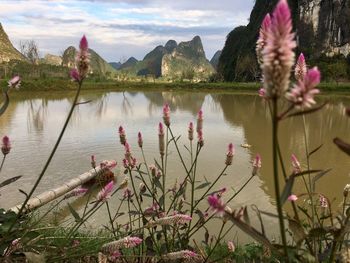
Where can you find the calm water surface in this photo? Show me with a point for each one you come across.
(33, 123)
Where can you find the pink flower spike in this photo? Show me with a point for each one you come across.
(200, 121)
(160, 129)
(183, 255)
(83, 44)
(292, 198)
(229, 155)
(257, 161)
(166, 114)
(296, 164)
(312, 78)
(278, 55)
(216, 204)
(231, 246)
(74, 74)
(300, 68)
(140, 139)
(200, 138)
(15, 82)
(122, 135)
(103, 194)
(6, 145)
(190, 131)
(262, 93)
(261, 43)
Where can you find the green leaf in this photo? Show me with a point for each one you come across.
(10, 181)
(74, 213)
(203, 185)
(315, 150)
(287, 189)
(345, 147)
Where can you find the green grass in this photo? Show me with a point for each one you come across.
(65, 85)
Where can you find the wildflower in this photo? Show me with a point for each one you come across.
(229, 155)
(278, 56)
(346, 190)
(190, 131)
(292, 198)
(256, 164)
(75, 243)
(83, 58)
(93, 161)
(216, 204)
(127, 153)
(166, 115)
(15, 82)
(300, 68)
(296, 165)
(152, 210)
(161, 139)
(122, 135)
(103, 194)
(261, 43)
(139, 139)
(323, 201)
(171, 220)
(133, 162)
(262, 92)
(231, 246)
(108, 165)
(200, 138)
(126, 242)
(76, 192)
(200, 121)
(115, 255)
(302, 94)
(186, 255)
(74, 74)
(6, 145)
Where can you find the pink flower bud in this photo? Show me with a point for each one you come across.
(161, 140)
(139, 139)
(15, 82)
(261, 43)
(83, 45)
(296, 165)
(166, 115)
(292, 198)
(229, 155)
(103, 194)
(190, 131)
(6, 145)
(122, 135)
(231, 246)
(200, 138)
(74, 74)
(300, 68)
(200, 121)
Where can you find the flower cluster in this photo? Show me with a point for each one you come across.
(15, 82)
(126, 242)
(103, 195)
(229, 155)
(184, 255)
(190, 131)
(6, 145)
(166, 115)
(76, 192)
(82, 61)
(216, 204)
(122, 135)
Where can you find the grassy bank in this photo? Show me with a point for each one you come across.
(62, 85)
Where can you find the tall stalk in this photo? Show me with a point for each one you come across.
(275, 173)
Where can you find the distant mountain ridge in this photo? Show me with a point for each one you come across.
(7, 50)
(174, 61)
(97, 64)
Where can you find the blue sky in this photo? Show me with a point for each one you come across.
(118, 29)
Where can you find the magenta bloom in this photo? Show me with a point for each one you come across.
(216, 204)
(261, 43)
(161, 139)
(302, 94)
(83, 45)
(278, 55)
(200, 121)
(122, 135)
(140, 139)
(166, 115)
(190, 131)
(76, 192)
(257, 161)
(200, 138)
(229, 155)
(262, 93)
(292, 198)
(74, 74)
(15, 82)
(296, 164)
(103, 194)
(6, 145)
(83, 59)
(300, 68)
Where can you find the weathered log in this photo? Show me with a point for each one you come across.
(52, 194)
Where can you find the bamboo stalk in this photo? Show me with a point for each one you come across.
(55, 193)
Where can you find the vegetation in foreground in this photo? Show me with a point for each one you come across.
(160, 223)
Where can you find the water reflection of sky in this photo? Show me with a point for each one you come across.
(33, 123)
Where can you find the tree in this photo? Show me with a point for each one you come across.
(30, 50)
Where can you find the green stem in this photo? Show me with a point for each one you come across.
(275, 174)
(51, 155)
(3, 161)
(216, 243)
(111, 220)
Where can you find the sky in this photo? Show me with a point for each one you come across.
(119, 29)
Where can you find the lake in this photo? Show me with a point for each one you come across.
(33, 122)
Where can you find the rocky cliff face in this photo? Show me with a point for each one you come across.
(98, 65)
(215, 59)
(324, 26)
(52, 60)
(7, 50)
(187, 60)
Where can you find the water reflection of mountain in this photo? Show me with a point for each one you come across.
(251, 113)
(185, 101)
